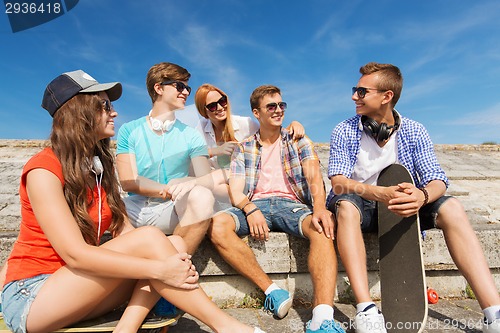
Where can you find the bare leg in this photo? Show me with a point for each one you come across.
(469, 259)
(194, 211)
(93, 295)
(235, 251)
(352, 250)
(322, 262)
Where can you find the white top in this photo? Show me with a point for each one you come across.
(243, 128)
(372, 158)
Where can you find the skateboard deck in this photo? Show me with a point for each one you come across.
(402, 274)
(108, 322)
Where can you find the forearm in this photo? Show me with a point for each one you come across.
(344, 185)
(103, 262)
(143, 186)
(435, 189)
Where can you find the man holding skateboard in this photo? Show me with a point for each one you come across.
(360, 148)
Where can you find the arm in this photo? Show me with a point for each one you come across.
(322, 218)
(296, 129)
(56, 220)
(224, 149)
(256, 220)
(414, 199)
(131, 181)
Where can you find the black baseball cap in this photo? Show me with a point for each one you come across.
(69, 84)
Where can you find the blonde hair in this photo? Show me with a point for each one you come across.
(200, 100)
(389, 78)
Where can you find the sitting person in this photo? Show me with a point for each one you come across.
(285, 193)
(156, 152)
(69, 197)
(360, 148)
(221, 129)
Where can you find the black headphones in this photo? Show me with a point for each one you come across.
(380, 132)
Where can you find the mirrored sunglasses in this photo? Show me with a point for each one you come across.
(273, 107)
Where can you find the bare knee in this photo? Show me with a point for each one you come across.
(201, 196)
(178, 243)
(222, 226)
(347, 213)
(452, 214)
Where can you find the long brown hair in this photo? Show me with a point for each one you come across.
(74, 142)
(200, 100)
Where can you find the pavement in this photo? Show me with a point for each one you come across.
(448, 315)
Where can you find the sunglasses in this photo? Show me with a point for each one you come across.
(107, 106)
(180, 86)
(212, 107)
(273, 107)
(361, 91)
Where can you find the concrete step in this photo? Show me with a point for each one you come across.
(284, 258)
(474, 171)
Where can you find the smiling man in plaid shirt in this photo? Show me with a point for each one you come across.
(276, 185)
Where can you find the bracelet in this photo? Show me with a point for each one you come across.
(250, 212)
(426, 195)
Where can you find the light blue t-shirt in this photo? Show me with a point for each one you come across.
(160, 157)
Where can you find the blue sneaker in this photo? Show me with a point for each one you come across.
(278, 302)
(327, 326)
(164, 308)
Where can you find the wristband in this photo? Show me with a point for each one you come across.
(252, 211)
(426, 195)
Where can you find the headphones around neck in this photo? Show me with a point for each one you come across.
(380, 132)
(158, 125)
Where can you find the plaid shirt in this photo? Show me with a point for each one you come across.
(415, 151)
(246, 163)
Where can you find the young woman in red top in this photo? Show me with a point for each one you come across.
(57, 273)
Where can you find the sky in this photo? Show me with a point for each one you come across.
(447, 50)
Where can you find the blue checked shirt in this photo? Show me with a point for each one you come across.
(246, 163)
(415, 151)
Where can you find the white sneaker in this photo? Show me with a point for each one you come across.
(370, 322)
(493, 327)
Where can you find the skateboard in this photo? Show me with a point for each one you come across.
(402, 274)
(108, 322)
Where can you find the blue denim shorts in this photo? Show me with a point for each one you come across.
(17, 297)
(368, 211)
(281, 214)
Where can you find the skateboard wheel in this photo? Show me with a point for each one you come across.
(432, 296)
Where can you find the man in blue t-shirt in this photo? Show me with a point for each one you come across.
(155, 155)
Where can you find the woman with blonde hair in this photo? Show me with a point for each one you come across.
(221, 129)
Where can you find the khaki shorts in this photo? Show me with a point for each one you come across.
(156, 212)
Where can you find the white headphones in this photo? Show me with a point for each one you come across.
(97, 168)
(158, 125)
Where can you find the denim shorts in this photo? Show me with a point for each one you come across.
(368, 211)
(17, 297)
(281, 214)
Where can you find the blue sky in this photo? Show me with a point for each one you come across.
(448, 51)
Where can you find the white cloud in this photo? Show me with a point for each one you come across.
(489, 118)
